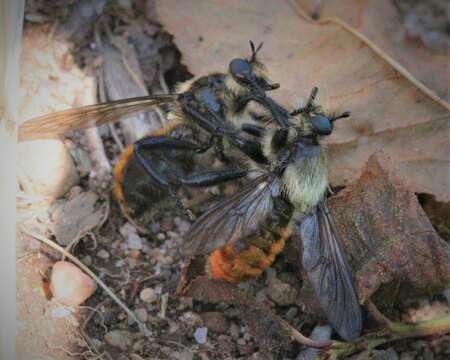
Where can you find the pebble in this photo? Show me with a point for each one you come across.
(232, 313)
(186, 302)
(148, 295)
(281, 293)
(103, 254)
(155, 227)
(46, 168)
(270, 274)
(141, 314)
(408, 355)
(87, 260)
(134, 241)
(264, 356)
(290, 279)
(291, 313)
(69, 285)
(160, 236)
(428, 354)
(261, 296)
(200, 335)
(120, 339)
(120, 263)
(215, 321)
(134, 254)
(60, 312)
(166, 224)
(183, 227)
(234, 330)
(172, 234)
(191, 319)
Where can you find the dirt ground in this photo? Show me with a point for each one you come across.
(81, 53)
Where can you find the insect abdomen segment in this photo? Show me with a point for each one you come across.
(227, 265)
(231, 264)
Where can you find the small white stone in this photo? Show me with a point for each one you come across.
(60, 312)
(87, 260)
(148, 295)
(141, 314)
(103, 254)
(160, 236)
(120, 263)
(200, 335)
(183, 227)
(119, 338)
(134, 241)
(173, 234)
(69, 284)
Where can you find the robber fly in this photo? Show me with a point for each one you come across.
(246, 231)
(206, 111)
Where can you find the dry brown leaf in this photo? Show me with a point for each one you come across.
(388, 111)
(390, 242)
(123, 79)
(381, 23)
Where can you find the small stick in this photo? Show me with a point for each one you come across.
(164, 301)
(301, 339)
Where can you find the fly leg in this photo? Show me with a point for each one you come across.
(194, 180)
(255, 130)
(164, 142)
(219, 151)
(309, 107)
(249, 147)
(213, 125)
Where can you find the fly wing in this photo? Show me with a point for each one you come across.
(234, 218)
(54, 124)
(329, 273)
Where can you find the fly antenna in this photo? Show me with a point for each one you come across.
(255, 51)
(343, 115)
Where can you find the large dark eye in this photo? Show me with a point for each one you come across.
(321, 125)
(241, 70)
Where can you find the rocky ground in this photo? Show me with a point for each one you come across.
(143, 268)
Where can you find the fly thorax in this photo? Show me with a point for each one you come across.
(234, 88)
(305, 179)
(275, 144)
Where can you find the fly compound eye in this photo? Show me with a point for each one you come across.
(241, 70)
(321, 125)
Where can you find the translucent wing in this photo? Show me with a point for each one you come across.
(234, 218)
(54, 124)
(329, 273)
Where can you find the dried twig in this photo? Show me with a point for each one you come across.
(301, 339)
(164, 302)
(397, 331)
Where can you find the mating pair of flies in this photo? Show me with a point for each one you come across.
(275, 150)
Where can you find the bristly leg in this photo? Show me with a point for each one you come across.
(309, 107)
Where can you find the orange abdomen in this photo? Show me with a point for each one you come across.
(227, 265)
